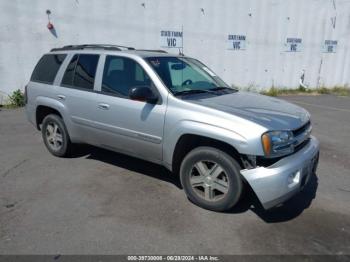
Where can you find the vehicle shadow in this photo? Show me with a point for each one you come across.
(288, 211)
(126, 162)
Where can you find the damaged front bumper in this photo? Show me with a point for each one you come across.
(277, 183)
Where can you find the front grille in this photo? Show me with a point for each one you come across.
(302, 134)
(301, 145)
(301, 129)
(266, 162)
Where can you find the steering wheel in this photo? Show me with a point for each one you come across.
(187, 82)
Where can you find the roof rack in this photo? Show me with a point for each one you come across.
(93, 46)
(104, 47)
(153, 50)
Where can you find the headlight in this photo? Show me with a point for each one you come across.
(277, 143)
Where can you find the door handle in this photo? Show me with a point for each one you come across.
(103, 106)
(61, 97)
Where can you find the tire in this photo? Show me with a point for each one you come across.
(55, 136)
(203, 182)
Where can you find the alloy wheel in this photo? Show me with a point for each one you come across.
(54, 136)
(209, 180)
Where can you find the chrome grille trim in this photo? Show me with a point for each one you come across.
(301, 134)
(301, 129)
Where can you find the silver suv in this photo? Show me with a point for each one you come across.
(173, 110)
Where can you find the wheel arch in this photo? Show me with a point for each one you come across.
(42, 112)
(188, 142)
(46, 106)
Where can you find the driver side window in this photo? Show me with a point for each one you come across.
(120, 74)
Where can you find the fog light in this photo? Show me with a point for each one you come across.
(294, 178)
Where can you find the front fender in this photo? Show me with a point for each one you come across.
(185, 127)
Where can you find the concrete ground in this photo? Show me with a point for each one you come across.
(99, 202)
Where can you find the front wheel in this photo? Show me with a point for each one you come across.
(211, 178)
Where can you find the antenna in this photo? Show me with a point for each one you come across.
(182, 35)
(182, 31)
(182, 54)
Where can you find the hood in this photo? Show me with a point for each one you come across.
(272, 113)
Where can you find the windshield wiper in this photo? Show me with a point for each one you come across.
(192, 91)
(210, 91)
(219, 88)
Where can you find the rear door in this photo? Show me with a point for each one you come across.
(76, 92)
(129, 126)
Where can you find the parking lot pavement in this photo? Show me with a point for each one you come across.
(99, 202)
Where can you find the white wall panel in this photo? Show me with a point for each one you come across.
(266, 24)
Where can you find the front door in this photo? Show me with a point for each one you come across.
(125, 125)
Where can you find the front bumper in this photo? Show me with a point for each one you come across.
(275, 184)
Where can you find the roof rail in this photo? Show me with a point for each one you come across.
(92, 46)
(153, 50)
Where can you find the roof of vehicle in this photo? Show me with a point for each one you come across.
(103, 48)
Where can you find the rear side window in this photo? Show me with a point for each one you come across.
(47, 68)
(81, 71)
(69, 74)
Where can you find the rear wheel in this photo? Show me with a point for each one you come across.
(55, 135)
(211, 178)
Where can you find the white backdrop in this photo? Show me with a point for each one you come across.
(266, 24)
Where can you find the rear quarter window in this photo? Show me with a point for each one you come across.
(46, 69)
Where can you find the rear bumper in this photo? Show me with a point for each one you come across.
(275, 184)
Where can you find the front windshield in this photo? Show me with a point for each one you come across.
(183, 75)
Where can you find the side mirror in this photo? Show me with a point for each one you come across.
(178, 66)
(143, 93)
